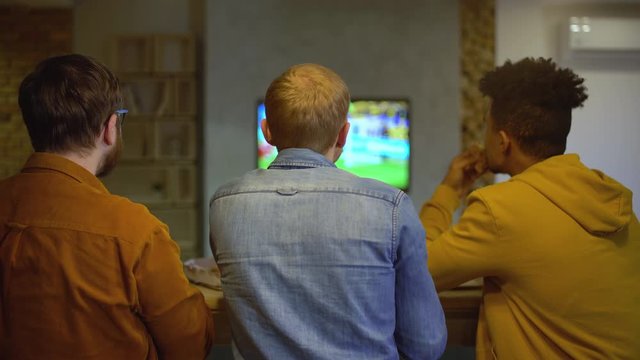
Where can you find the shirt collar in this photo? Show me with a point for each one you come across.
(48, 162)
(300, 158)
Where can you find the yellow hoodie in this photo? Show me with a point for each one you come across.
(558, 247)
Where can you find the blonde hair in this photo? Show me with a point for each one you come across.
(306, 106)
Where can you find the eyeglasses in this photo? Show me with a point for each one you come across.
(121, 114)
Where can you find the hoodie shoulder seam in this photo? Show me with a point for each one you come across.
(484, 201)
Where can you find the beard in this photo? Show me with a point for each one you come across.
(110, 160)
(492, 163)
(494, 168)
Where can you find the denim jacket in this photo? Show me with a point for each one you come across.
(317, 263)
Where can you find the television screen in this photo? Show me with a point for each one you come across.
(377, 145)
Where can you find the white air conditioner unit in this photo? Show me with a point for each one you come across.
(603, 35)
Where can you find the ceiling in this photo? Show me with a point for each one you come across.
(72, 3)
(40, 3)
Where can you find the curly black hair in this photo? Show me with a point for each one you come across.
(532, 101)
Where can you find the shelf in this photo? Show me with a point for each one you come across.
(153, 185)
(158, 166)
(139, 140)
(174, 53)
(175, 140)
(155, 53)
(132, 54)
(163, 141)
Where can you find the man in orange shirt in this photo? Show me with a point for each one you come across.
(86, 274)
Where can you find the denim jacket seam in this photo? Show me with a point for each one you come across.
(394, 222)
(231, 193)
(311, 164)
(328, 190)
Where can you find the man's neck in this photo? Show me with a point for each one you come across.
(520, 163)
(89, 161)
(333, 154)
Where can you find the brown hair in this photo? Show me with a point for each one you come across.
(532, 101)
(305, 107)
(65, 102)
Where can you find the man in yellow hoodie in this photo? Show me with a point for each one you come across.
(558, 245)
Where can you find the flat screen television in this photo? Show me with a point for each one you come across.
(378, 145)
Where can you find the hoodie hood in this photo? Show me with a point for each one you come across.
(597, 202)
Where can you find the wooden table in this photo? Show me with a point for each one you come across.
(460, 308)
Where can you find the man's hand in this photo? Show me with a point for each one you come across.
(465, 169)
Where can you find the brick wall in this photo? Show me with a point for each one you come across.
(477, 56)
(27, 36)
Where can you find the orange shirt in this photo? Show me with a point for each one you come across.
(90, 275)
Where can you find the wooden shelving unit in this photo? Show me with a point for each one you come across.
(161, 150)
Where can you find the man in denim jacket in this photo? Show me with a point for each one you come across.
(318, 263)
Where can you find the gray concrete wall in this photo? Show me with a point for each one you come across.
(406, 49)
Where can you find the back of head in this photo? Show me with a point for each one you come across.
(65, 102)
(306, 106)
(532, 101)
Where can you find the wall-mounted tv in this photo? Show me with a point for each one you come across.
(377, 146)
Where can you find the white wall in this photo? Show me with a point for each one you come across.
(606, 131)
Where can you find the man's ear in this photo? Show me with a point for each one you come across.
(264, 126)
(342, 135)
(504, 142)
(109, 132)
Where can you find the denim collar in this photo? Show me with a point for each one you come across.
(296, 158)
